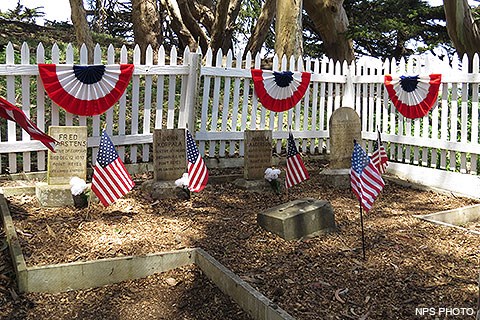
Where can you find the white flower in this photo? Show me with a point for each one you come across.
(183, 181)
(272, 174)
(77, 185)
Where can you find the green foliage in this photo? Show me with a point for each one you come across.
(22, 13)
(392, 28)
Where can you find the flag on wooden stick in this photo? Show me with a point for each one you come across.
(111, 179)
(366, 181)
(10, 112)
(197, 170)
(379, 156)
(296, 171)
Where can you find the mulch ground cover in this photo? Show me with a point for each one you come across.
(410, 263)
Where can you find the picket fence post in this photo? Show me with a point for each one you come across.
(192, 92)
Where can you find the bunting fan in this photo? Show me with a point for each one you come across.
(85, 90)
(413, 96)
(280, 91)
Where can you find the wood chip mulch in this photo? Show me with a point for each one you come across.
(409, 263)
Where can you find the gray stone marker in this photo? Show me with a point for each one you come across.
(169, 163)
(169, 159)
(258, 153)
(344, 127)
(69, 160)
(298, 218)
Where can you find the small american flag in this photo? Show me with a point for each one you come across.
(10, 112)
(379, 156)
(366, 181)
(110, 179)
(296, 171)
(197, 170)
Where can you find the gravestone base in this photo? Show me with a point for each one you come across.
(53, 195)
(336, 178)
(162, 190)
(298, 218)
(260, 185)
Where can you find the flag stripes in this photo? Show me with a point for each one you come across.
(296, 171)
(197, 170)
(10, 112)
(379, 156)
(111, 179)
(366, 181)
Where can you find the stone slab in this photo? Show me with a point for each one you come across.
(298, 218)
(252, 185)
(53, 195)
(161, 189)
(344, 127)
(258, 153)
(169, 157)
(70, 158)
(336, 178)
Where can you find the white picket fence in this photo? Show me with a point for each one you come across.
(214, 98)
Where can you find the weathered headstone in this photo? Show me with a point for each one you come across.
(298, 218)
(70, 158)
(169, 163)
(169, 159)
(344, 127)
(258, 153)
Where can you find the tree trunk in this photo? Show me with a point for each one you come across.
(260, 32)
(82, 30)
(202, 14)
(331, 22)
(178, 26)
(218, 30)
(192, 24)
(233, 11)
(462, 27)
(288, 28)
(146, 26)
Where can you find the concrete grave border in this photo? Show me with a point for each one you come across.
(454, 218)
(83, 275)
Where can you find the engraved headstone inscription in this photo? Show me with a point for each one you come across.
(70, 158)
(345, 127)
(258, 153)
(169, 159)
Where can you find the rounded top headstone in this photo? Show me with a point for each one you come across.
(344, 128)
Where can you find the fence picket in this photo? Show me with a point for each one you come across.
(25, 60)
(314, 122)
(147, 102)
(11, 126)
(40, 102)
(205, 100)
(226, 102)
(122, 107)
(236, 101)
(474, 133)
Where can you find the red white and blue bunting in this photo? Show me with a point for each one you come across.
(413, 96)
(280, 91)
(85, 90)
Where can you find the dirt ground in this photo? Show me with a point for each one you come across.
(410, 264)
